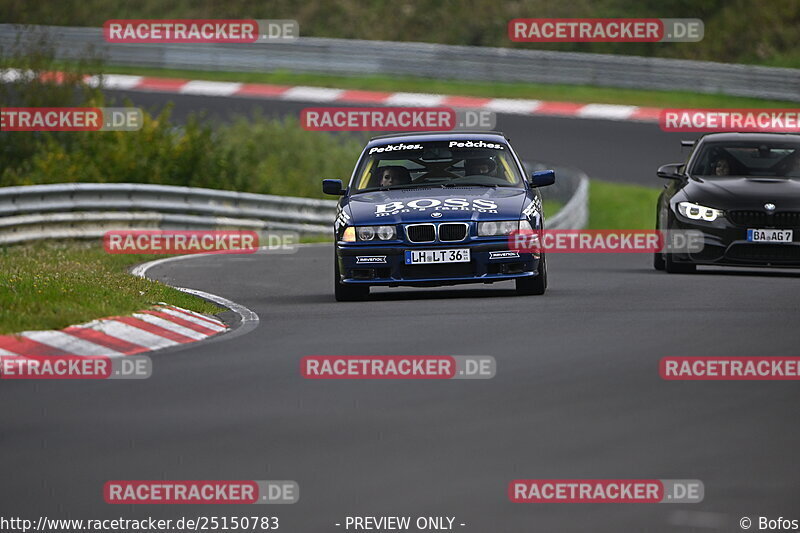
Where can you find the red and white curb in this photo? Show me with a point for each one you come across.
(353, 96)
(163, 326)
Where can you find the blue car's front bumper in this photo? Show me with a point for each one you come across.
(375, 264)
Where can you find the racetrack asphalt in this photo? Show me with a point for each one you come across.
(577, 396)
(577, 393)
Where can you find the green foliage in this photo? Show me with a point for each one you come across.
(53, 285)
(620, 206)
(252, 154)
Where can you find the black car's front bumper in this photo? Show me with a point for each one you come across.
(726, 244)
(489, 262)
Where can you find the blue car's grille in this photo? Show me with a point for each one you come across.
(452, 232)
(446, 232)
(421, 233)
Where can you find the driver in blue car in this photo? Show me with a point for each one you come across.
(479, 167)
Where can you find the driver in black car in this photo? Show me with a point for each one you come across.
(721, 167)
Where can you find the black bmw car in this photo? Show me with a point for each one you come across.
(742, 191)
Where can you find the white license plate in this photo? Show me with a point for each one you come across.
(424, 257)
(769, 235)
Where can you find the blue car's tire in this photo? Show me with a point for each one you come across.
(535, 285)
(346, 293)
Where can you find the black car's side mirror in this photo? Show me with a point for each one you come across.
(333, 187)
(542, 178)
(671, 172)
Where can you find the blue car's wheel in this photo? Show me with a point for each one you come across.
(346, 293)
(536, 284)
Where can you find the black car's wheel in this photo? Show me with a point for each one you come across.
(670, 265)
(346, 293)
(658, 257)
(536, 284)
(658, 261)
(678, 268)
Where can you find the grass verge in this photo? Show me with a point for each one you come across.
(564, 93)
(618, 206)
(54, 285)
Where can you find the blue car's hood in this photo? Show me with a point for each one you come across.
(452, 203)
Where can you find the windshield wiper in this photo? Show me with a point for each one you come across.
(444, 185)
(391, 187)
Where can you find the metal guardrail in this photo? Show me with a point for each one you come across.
(571, 188)
(346, 56)
(88, 210)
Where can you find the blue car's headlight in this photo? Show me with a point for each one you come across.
(501, 228)
(694, 211)
(369, 233)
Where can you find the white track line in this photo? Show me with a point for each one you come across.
(607, 111)
(115, 81)
(313, 94)
(507, 105)
(211, 88)
(249, 319)
(415, 99)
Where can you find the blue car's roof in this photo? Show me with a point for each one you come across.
(493, 136)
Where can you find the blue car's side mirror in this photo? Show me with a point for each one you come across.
(541, 178)
(332, 187)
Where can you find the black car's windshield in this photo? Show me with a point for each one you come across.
(454, 163)
(752, 158)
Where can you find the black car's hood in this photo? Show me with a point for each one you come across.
(744, 192)
(436, 204)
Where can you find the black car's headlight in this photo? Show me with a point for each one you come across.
(501, 228)
(694, 211)
(369, 233)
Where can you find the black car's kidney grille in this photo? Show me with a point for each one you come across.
(421, 233)
(452, 232)
(765, 253)
(785, 219)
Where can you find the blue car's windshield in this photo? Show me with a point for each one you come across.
(459, 163)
